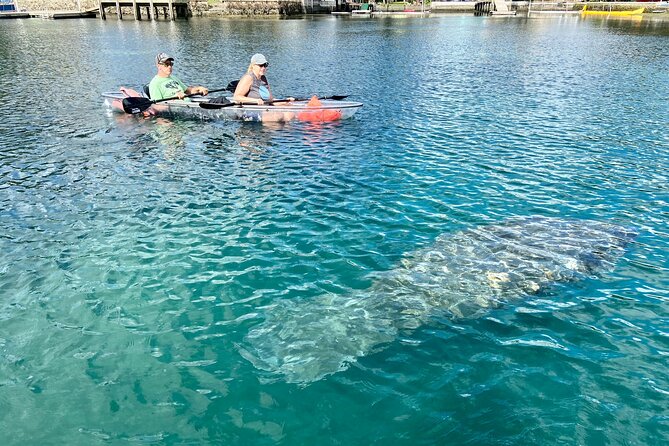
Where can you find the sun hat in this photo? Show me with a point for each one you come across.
(258, 59)
(161, 58)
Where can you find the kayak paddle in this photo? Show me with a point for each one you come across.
(232, 86)
(138, 104)
(335, 97)
(223, 103)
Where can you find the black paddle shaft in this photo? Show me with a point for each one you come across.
(335, 97)
(232, 86)
(134, 105)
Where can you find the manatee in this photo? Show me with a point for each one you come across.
(461, 275)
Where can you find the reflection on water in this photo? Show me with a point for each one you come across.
(644, 25)
(142, 256)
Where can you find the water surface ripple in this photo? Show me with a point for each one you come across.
(138, 255)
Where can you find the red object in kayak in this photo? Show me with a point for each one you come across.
(318, 115)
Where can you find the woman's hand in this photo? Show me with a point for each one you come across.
(260, 102)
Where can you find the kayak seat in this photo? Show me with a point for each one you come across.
(145, 87)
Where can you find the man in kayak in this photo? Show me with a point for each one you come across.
(164, 85)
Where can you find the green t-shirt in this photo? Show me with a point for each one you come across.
(165, 87)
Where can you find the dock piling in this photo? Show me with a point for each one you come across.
(171, 9)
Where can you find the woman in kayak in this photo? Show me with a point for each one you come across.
(253, 87)
(164, 85)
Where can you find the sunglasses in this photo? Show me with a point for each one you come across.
(169, 63)
(264, 65)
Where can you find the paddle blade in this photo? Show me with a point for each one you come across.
(136, 105)
(336, 97)
(232, 86)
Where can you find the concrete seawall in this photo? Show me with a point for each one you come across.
(296, 7)
(468, 6)
(57, 5)
(197, 7)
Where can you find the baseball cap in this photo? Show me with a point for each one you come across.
(258, 59)
(163, 57)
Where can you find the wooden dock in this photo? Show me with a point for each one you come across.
(14, 15)
(170, 9)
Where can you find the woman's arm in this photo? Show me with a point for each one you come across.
(243, 88)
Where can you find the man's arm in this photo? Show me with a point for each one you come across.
(194, 89)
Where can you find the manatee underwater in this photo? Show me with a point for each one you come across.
(461, 275)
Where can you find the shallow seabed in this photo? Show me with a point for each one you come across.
(138, 255)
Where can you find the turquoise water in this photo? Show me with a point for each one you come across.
(139, 255)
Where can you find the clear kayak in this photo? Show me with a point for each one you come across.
(326, 110)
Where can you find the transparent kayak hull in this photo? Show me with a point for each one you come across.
(329, 110)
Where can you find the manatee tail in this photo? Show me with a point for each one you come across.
(305, 340)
